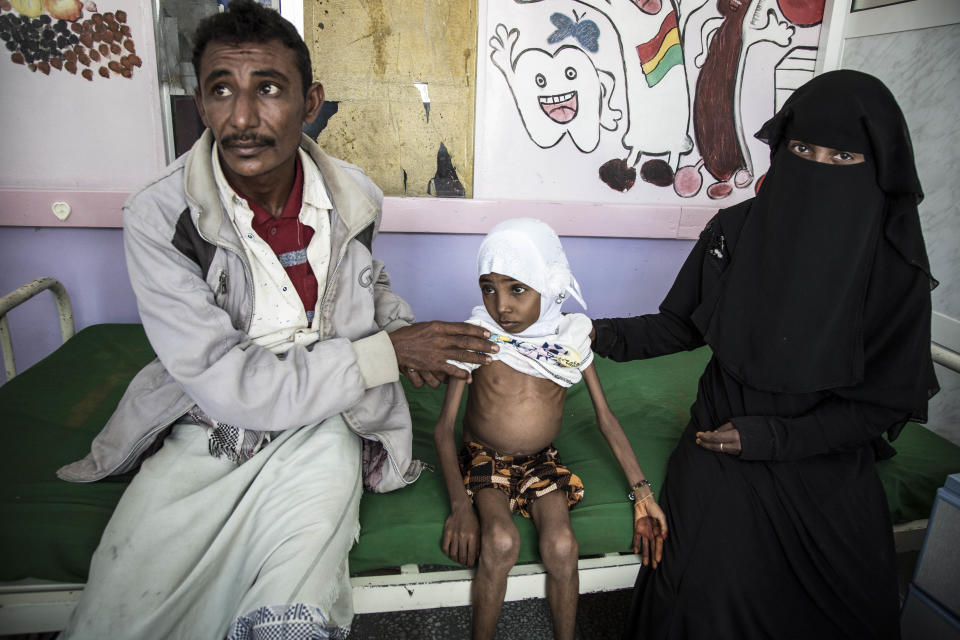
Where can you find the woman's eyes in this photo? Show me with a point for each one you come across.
(823, 155)
(846, 157)
(519, 290)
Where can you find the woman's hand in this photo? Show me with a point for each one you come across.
(726, 439)
(461, 535)
(649, 530)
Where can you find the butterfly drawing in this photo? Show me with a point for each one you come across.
(586, 32)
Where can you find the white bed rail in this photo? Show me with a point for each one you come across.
(948, 358)
(21, 295)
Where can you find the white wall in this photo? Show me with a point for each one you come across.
(920, 68)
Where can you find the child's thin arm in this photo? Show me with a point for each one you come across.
(611, 429)
(649, 522)
(443, 439)
(461, 531)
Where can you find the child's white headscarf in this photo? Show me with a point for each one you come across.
(528, 250)
(555, 346)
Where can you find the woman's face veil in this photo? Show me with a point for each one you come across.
(853, 111)
(850, 111)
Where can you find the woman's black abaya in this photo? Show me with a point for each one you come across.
(814, 297)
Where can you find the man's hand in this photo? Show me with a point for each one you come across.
(725, 439)
(423, 350)
(461, 535)
(649, 530)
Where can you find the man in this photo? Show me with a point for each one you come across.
(275, 394)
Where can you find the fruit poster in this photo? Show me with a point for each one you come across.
(81, 107)
(634, 101)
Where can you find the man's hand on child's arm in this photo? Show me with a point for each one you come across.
(423, 349)
(461, 534)
(649, 529)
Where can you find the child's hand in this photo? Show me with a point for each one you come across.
(461, 535)
(649, 530)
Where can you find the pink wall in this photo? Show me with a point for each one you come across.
(33, 208)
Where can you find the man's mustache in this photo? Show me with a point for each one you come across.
(247, 139)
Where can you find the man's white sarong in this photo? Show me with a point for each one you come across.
(200, 547)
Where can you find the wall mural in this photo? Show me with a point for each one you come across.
(69, 36)
(634, 100)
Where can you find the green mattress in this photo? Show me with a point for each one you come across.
(50, 413)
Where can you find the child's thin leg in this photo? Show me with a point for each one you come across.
(558, 550)
(499, 547)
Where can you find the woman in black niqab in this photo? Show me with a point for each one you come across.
(815, 300)
(790, 314)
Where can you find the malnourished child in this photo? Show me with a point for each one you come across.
(507, 463)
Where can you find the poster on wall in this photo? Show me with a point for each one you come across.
(80, 104)
(57, 36)
(634, 101)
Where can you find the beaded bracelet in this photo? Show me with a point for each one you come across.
(633, 490)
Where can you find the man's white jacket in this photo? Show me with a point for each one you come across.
(192, 281)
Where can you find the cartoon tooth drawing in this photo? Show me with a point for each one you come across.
(556, 94)
(666, 104)
(658, 109)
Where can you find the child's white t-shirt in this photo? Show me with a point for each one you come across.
(558, 356)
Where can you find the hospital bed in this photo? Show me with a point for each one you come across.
(50, 413)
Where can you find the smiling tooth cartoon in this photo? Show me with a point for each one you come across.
(556, 94)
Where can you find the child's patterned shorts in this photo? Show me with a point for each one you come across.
(522, 478)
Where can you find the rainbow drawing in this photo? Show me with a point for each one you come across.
(663, 52)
